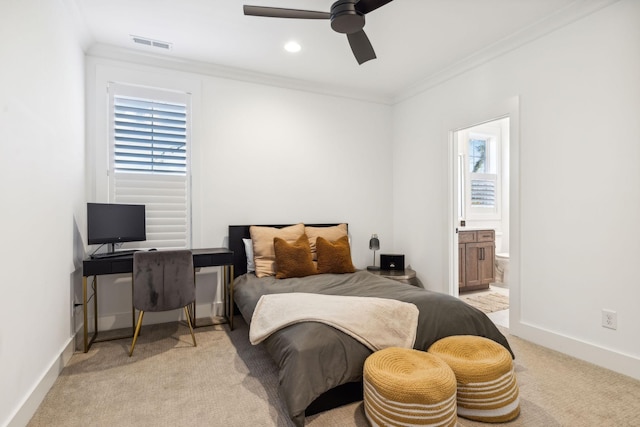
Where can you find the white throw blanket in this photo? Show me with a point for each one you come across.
(376, 322)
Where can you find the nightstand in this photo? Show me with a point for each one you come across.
(405, 276)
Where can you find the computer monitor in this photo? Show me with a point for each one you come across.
(115, 223)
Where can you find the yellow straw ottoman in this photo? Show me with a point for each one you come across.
(487, 388)
(405, 387)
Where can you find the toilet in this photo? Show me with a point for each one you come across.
(502, 267)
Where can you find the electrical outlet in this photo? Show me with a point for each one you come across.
(609, 319)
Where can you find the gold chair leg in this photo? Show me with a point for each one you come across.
(135, 335)
(186, 312)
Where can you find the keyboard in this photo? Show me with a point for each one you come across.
(114, 254)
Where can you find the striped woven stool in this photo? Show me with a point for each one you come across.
(487, 387)
(405, 387)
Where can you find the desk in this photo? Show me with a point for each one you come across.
(211, 257)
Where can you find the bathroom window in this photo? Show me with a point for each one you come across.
(480, 147)
(482, 182)
(478, 154)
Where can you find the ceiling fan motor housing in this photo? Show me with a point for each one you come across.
(345, 19)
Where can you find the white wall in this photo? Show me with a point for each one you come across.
(42, 187)
(577, 180)
(261, 154)
(278, 156)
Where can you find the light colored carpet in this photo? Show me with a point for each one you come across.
(487, 302)
(227, 382)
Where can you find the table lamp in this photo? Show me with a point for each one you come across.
(374, 245)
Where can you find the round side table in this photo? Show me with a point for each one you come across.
(405, 276)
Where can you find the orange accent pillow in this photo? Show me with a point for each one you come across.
(334, 257)
(263, 251)
(331, 234)
(293, 259)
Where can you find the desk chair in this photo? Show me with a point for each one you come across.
(163, 281)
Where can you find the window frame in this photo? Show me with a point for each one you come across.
(162, 182)
(493, 161)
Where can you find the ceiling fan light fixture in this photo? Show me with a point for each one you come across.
(292, 46)
(346, 17)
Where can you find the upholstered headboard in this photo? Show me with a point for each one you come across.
(239, 232)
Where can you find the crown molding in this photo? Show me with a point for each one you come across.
(142, 57)
(563, 17)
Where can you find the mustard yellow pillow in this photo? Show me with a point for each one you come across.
(264, 255)
(293, 259)
(334, 257)
(331, 234)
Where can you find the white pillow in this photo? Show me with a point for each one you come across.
(248, 248)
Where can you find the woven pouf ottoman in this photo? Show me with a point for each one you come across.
(487, 387)
(405, 387)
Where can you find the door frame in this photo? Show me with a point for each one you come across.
(508, 108)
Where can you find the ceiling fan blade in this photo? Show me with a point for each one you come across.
(366, 6)
(361, 47)
(277, 12)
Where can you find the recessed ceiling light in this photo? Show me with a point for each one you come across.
(292, 47)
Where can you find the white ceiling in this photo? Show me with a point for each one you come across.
(415, 40)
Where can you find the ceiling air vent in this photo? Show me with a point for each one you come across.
(150, 42)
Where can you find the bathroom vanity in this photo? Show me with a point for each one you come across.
(476, 259)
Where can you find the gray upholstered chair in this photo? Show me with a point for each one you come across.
(162, 281)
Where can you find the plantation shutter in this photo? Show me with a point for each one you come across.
(149, 161)
(483, 190)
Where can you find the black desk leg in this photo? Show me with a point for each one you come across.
(225, 292)
(193, 304)
(85, 314)
(85, 327)
(94, 287)
(231, 303)
(133, 309)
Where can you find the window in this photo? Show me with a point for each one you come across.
(477, 155)
(479, 173)
(149, 136)
(149, 160)
(482, 184)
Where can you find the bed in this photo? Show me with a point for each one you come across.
(320, 367)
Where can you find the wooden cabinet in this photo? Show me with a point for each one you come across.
(476, 259)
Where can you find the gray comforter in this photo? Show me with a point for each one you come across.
(313, 357)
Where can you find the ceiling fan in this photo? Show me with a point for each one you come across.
(347, 17)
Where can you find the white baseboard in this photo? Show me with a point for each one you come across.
(34, 398)
(621, 363)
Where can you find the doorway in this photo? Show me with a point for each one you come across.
(481, 216)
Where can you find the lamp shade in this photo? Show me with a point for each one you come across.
(374, 243)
